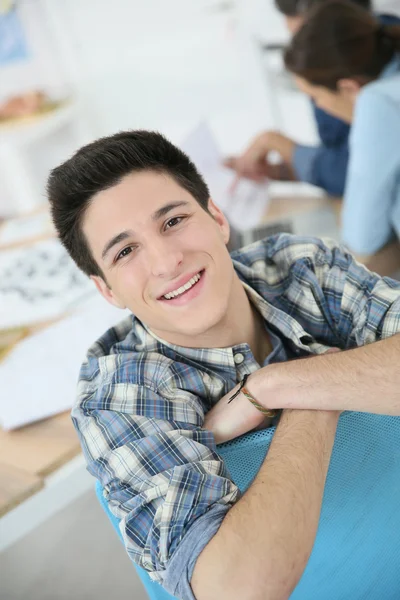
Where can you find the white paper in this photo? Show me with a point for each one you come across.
(39, 377)
(245, 207)
(25, 228)
(39, 282)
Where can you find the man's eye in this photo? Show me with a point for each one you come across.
(173, 222)
(124, 253)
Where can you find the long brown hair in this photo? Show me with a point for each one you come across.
(340, 40)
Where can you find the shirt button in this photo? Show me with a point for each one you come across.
(238, 358)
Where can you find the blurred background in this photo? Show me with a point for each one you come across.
(209, 75)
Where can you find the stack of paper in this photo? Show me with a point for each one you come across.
(39, 283)
(26, 229)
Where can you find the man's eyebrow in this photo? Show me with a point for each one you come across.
(161, 212)
(158, 214)
(114, 241)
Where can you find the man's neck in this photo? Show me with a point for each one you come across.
(242, 323)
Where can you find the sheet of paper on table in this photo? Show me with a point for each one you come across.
(22, 229)
(38, 378)
(246, 206)
(38, 283)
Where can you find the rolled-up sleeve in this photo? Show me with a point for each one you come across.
(180, 568)
(323, 166)
(159, 470)
(303, 162)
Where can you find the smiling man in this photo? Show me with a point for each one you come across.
(154, 393)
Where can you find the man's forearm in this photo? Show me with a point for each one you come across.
(365, 379)
(264, 542)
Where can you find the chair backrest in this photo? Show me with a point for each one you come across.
(356, 555)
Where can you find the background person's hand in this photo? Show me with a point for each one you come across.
(259, 173)
(254, 164)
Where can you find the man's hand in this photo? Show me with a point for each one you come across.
(231, 420)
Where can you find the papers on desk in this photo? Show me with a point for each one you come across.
(25, 229)
(38, 378)
(39, 283)
(246, 206)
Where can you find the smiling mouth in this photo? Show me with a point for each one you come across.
(184, 288)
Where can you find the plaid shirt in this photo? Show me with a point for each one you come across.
(141, 401)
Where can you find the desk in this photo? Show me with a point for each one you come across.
(35, 451)
(41, 471)
(32, 460)
(28, 455)
(284, 206)
(308, 215)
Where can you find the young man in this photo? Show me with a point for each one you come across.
(324, 165)
(154, 392)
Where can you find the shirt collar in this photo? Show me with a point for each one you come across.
(211, 357)
(279, 319)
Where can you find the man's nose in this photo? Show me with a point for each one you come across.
(165, 258)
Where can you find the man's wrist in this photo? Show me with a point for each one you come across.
(257, 384)
(273, 387)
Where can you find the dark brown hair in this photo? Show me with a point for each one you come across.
(103, 164)
(340, 40)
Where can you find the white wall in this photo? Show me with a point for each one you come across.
(166, 65)
(159, 64)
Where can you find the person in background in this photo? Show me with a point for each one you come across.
(349, 64)
(324, 165)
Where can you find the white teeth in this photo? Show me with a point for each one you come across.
(183, 288)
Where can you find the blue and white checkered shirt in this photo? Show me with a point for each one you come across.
(141, 401)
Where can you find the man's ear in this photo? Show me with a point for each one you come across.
(220, 219)
(106, 291)
(349, 88)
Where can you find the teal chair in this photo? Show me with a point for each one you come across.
(356, 555)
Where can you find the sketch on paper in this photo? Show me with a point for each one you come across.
(39, 282)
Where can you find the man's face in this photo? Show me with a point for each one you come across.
(162, 255)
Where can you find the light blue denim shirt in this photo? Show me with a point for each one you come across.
(371, 211)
